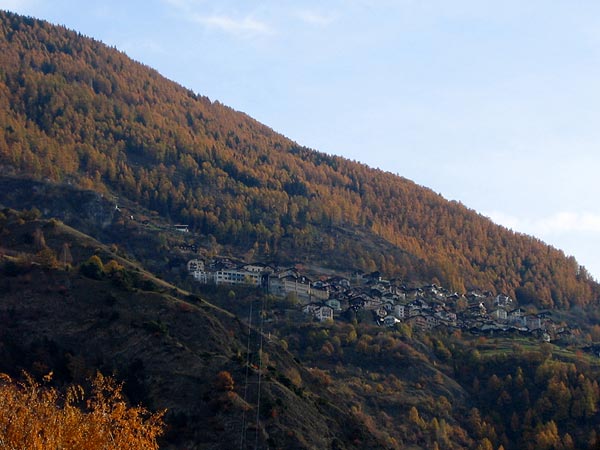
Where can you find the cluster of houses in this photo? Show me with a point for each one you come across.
(388, 302)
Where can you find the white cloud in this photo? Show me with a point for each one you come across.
(315, 18)
(562, 222)
(245, 26)
(180, 4)
(18, 6)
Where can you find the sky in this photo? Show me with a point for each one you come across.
(494, 104)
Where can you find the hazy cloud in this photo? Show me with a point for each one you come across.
(315, 18)
(181, 4)
(559, 223)
(245, 26)
(197, 11)
(19, 6)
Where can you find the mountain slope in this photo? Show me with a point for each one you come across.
(169, 348)
(75, 111)
(344, 386)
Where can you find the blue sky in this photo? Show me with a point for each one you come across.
(491, 103)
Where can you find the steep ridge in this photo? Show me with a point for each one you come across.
(74, 111)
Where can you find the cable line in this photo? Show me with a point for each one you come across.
(243, 434)
(260, 361)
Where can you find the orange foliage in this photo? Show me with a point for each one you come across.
(37, 417)
(224, 381)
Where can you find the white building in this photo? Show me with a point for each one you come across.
(400, 311)
(237, 276)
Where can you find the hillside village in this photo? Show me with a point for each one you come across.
(387, 302)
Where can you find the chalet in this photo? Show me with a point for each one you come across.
(436, 306)
(352, 292)
(398, 294)
(533, 322)
(366, 301)
(324, 313)
(372, 303)
(516, 316)
(474, 296)
(502, 300)
(431, 321)
(390, 321)
(413, 293)
(356, 303)
(446, 317)
(518, 312)
(319, 311)
(222, 263)
(188, 247)
(418, 322)
(415, 307)
(339, 281)
(400, 311)
(194, 265)
(334, 303)
(377, 291)
(499, 314)
(476, 311)
(381, 312)
(181, 228)
(320, 284)
(311, 308)
(288, 272)
(388, 305)
(490, 328)
(390, 298)
(258, 268)
(319, 293)
(434, 290)
(482, 308)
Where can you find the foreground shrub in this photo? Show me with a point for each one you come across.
(37, 417)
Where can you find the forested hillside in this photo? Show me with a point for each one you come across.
(70, 306)
(73, 110)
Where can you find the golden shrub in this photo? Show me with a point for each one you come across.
(38, 417)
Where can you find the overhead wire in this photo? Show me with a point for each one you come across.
(243, 431)
(260, 364)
